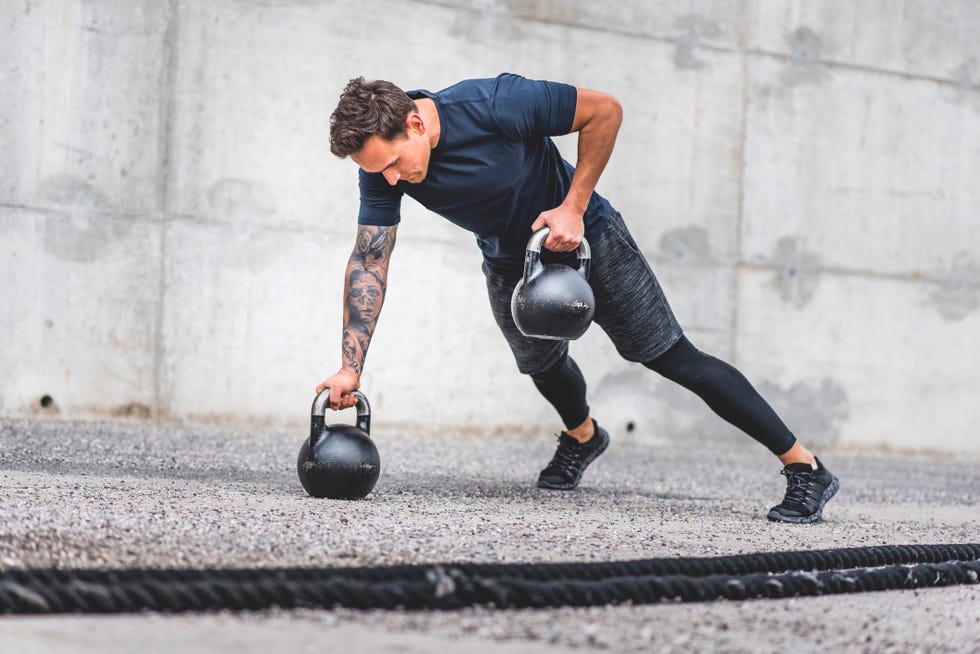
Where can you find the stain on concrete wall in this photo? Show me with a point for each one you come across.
(958, 295)
(966, 83)
(814, 411)
(626, 401)
(72, 191)
(241, 201)
(87, 230)
(695, 30)
(686, 245)
(487, 26)
(797, 273)
(257, 251)
(803, 67)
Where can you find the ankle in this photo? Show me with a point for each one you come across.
(584, 432)
(798, 454)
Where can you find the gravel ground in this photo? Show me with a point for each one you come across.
(78, 494)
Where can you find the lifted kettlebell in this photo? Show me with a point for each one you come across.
(339, 461)
(553, 300)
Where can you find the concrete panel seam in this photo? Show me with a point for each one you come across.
(168, 104)
(168, 107)
(284, 228)
(860, 68)
(53, 209)
(853, 272)
(581, 26)
(26, 207)
(742, 138)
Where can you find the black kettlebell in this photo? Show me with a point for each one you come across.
(553, 300)
(339, 461)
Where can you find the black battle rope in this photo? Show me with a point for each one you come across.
(456, 585)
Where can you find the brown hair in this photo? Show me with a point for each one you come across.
(367, 109)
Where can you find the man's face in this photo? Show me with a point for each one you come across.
(405, 158)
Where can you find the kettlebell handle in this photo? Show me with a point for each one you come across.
(363, 410)
(533, 255)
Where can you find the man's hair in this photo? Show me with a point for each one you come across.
(367, 109)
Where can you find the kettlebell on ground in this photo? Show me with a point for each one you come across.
(553, 300)
(339, 461)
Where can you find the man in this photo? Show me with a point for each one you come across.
(479, 153)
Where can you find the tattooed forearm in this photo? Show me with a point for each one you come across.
(364, 291)
(353, 357)
(374, 244)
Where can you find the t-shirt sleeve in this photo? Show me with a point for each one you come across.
(380, 202)
(525, 108)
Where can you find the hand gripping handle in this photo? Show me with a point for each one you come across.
(533, 255)
(320, 409)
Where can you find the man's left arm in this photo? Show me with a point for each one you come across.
(597, 120)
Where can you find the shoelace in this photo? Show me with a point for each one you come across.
(797, 486)
(568, 456)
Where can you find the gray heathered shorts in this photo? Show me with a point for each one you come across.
(630, 305)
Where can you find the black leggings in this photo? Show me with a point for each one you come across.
(564, 386)
(723, 388)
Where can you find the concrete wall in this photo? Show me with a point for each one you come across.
(801, 174)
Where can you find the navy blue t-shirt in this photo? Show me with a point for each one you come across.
(494, 168)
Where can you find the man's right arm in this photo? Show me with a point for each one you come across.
(364, 290)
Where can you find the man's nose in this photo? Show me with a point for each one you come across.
(391, 176)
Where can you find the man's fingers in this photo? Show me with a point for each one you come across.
(557, 240)
(342, 386)
(346, 401)
(339, 401)
(560, 244)
(554, 241)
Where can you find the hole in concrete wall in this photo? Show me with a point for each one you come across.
(46, 401)
(630, 426)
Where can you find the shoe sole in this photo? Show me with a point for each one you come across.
(571, 485)
(803, 520)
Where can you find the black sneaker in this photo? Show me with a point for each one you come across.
(807, 490)
(571, 459)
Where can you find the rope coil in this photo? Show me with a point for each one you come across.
(457, 585)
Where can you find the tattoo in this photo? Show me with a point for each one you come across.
(352, 352)
(374, 245)
(364, 291)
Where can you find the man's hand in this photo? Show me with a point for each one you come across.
(342, 386)
(567, 228)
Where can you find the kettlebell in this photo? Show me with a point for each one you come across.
(553, 300)
(339, 461)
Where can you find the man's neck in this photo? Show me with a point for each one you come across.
(430, 116)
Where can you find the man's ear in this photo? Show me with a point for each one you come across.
(415, 123)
